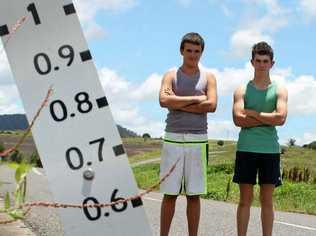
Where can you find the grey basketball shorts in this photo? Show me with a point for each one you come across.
(190, 172)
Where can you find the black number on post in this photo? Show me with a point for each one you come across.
(114, 199)
(36, 63)
(101, 142)
(33, 10)
(68, 54)
(85, 100)
(68, 158)
(86, 210)
(63, 108)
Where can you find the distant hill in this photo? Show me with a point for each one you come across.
(13, 122)
(19, 122)
(312, 145)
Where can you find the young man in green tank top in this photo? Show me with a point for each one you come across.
(189, 93)
(258, 108)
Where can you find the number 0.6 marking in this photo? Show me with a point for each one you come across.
(115, 208)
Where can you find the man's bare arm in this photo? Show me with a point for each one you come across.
(277, 117)
(169, 100)
(210, 104)
(241, 119)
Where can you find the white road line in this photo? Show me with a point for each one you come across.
(276, 221)
(152, 199)
(293, 225)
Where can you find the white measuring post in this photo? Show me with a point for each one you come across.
(76, 136)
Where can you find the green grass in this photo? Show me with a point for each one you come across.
(139, 140)
(145, 156)
(300, 157)
(146, 175)
(14, 132)
(293, 197)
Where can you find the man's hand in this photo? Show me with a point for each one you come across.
(251, 113)
(168, 91)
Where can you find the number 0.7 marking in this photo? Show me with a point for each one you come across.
(80, 156)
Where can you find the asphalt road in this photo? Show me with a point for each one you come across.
(218, 218)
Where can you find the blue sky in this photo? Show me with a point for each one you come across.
(134, 42)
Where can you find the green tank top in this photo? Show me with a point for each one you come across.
(260, 139)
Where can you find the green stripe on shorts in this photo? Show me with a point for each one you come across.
(185, 142)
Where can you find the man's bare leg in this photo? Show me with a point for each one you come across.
(243, 210)
(267, 214)
(193, 214)
(167, 211)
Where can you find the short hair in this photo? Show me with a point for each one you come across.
(193, 38)
(262, 48)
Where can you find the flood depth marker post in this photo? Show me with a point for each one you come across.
(76, 136)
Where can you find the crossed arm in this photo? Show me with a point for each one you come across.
(250, 118)
(194, 104)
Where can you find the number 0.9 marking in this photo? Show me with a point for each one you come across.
(70, 54)
(46, 59)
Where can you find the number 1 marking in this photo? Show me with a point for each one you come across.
(33, 10)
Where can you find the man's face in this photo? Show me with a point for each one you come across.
(262, 63)
(191, 54)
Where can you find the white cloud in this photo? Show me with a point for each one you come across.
(222, 129)
(254, 28)
(185, 3)
(302, 95)
(94, 31)
(306, 138)
(8, 100)
(124, 98)
(8, 91)
(88, 9)
(5, 74)
(149, 89)
(243, 40)
(309, 8)
(227, 12)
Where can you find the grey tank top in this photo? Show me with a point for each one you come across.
(187, 122)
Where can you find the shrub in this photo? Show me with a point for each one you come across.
(2, 148)
(35, 160)
(16, 156)
(296, 174)
(220, 142)
(283, 150)
(146, 136)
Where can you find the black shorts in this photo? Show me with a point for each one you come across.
(248, 164)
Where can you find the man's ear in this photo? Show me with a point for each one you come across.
(251, 61)
(181, 51)
(272, 63)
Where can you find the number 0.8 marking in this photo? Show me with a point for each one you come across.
(84, 105)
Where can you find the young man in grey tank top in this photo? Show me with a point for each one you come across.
(189, 93)
(258, 108)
